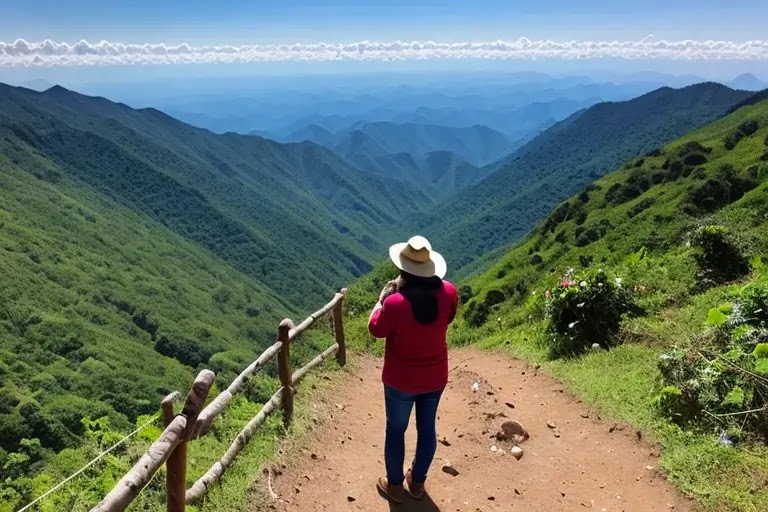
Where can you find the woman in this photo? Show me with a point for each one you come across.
(413, 314)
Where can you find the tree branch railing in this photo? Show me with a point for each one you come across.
(194, 421)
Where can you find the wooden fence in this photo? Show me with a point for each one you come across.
(195, 421)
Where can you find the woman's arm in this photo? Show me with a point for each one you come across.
(379, 323)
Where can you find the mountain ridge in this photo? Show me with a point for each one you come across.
(504, 207)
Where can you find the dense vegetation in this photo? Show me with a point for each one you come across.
(135, 249)
(268, 209)
(564, 159)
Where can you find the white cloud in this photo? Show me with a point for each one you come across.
(84, 53)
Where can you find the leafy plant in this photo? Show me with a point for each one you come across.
(586, 310)
(718, 257)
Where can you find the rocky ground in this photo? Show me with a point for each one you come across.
(572, 460)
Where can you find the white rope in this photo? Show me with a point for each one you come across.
(91, 463)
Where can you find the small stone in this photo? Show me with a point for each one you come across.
(585, 415)
(517, 492)
(551, 425)
(351, 498)
(447, 468)
(314, 456)
(557, 433)
(510, 405)
(491, 498)
(444, 442)
(517, 452)
(494, 448)
(649, 468)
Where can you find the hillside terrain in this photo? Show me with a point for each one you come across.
(565, 158)
(135, 248)
(239, 197)
(645, 294)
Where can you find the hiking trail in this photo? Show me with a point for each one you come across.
(572, 461)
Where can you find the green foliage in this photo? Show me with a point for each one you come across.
(719, 258)
(718, 375)
(745, 129)
(585, 310)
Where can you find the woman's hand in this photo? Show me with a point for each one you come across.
(389, 289)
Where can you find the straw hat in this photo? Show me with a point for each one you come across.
(417, 257)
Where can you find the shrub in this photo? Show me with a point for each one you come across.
(587, 235)
(722, 375)
(641, 206)
(726, 187)
(477, 311)
(536, 259)
(719, 259)
(584, 311)
(732, 139)
(745, 129)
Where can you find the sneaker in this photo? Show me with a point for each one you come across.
(394, 493)
(415, 489)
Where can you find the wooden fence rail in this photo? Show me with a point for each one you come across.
(195, 421)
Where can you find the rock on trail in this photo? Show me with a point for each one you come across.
(570, 462)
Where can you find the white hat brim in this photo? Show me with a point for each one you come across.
(436, 265)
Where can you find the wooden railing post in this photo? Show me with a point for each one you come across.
(284, 369)
(123, 493)
(338, 329)
(175, 466)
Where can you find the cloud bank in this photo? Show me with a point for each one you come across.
(84, 53)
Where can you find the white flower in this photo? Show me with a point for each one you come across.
(618, 281)
(583, 284)
(572, 324)
(580, 305)
(599, 285)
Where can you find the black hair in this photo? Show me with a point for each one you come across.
(421, 292)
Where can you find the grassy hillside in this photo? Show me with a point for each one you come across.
(565, 158)
(135, 249)
(688, 322)
(240, 197)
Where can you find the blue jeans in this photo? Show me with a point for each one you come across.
(398, 407)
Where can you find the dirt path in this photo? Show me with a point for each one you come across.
(581, 463)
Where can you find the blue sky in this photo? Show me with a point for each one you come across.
(141, 34)
(265, 21)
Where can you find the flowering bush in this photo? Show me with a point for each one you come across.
(584, 311)
(722, 383)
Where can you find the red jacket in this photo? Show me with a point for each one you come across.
(415, 355)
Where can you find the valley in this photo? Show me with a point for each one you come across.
(136, 248)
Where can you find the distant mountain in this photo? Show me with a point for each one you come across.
(271, 210)
(438, 175)
(748, 82)
(564, 159)
(437, 161)
(477, 144)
